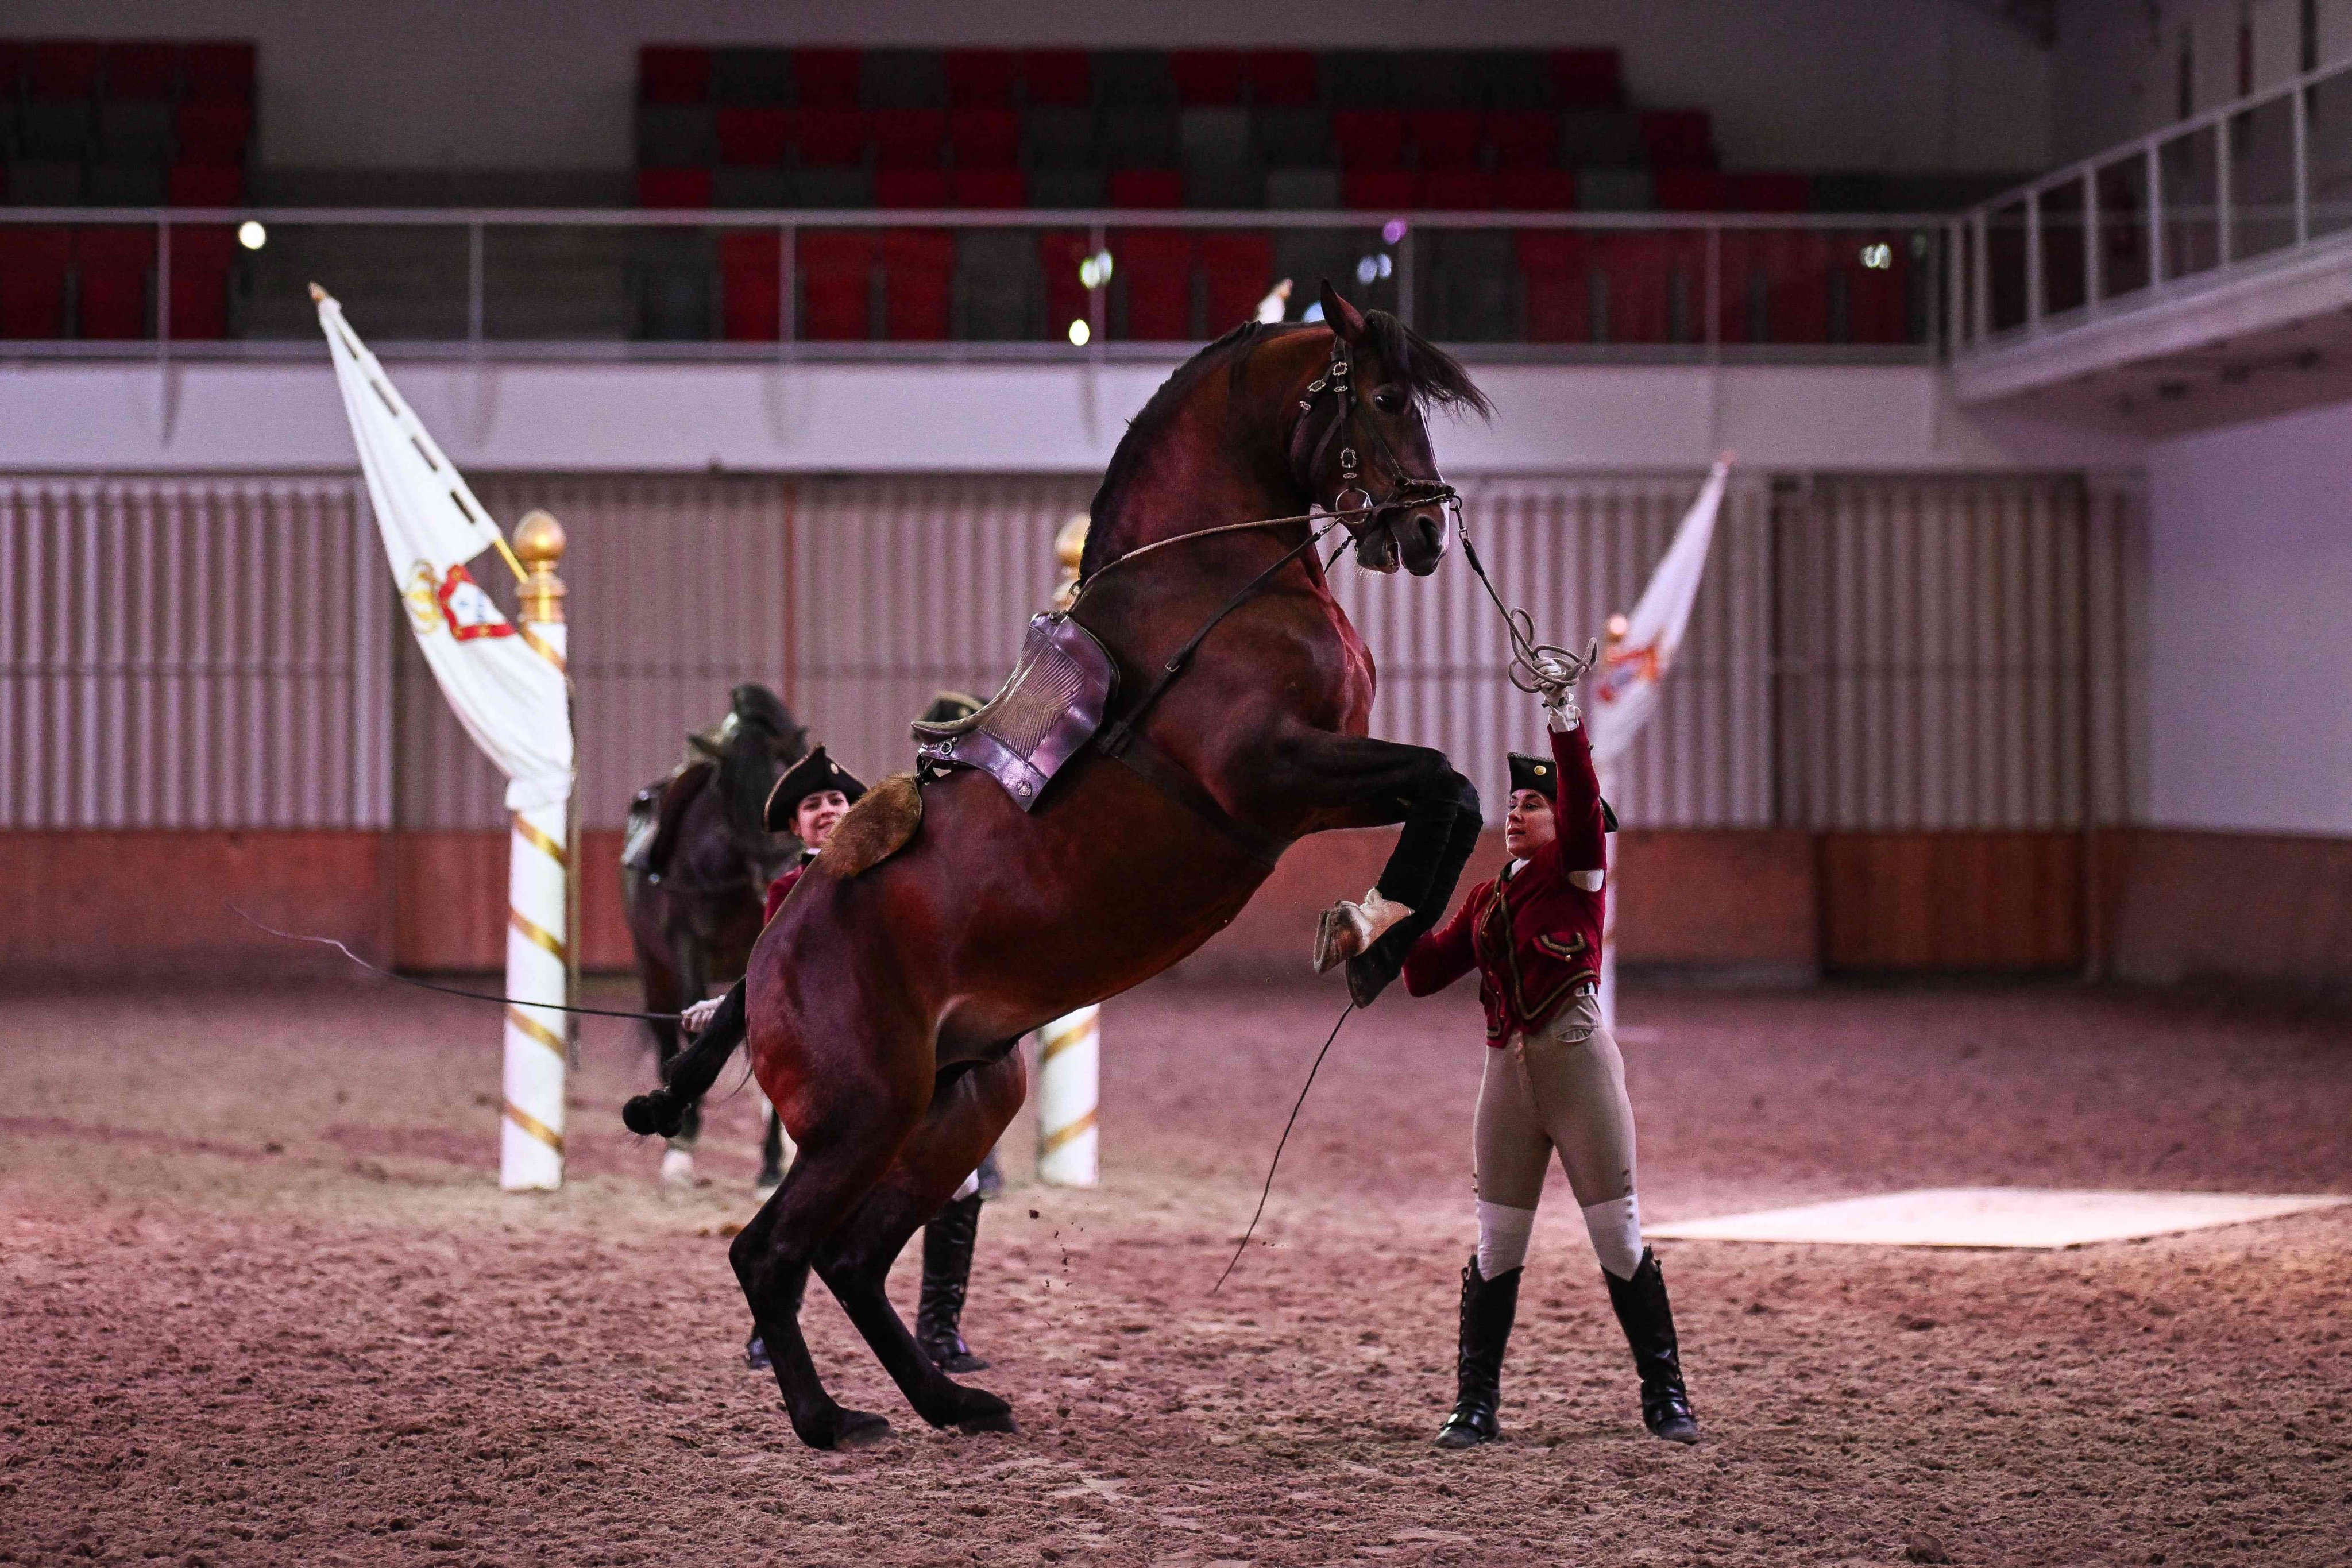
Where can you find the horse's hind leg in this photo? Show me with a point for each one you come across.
(837, 1168)
(965, 1121)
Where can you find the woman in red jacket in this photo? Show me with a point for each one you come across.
(1553, 1080)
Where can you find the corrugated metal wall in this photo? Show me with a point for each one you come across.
(211, 652)
(1572, 552)
(1952, 652)
(1867, 652)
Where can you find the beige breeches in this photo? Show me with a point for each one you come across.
(1564, 1089)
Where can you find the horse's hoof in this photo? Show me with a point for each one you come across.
(977, 1410)
(859, 1429)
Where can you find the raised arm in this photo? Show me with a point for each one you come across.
(1582, 840)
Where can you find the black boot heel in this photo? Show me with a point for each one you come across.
(1488, 1307)
(1644, 1313)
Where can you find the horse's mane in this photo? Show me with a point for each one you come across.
(1433, 376)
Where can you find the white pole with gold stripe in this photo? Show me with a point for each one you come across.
(531, 1135)
(1069, 1086)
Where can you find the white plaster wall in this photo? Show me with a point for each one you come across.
(2249, 626)
(513, 84)
(979, 418)
(2114, 73)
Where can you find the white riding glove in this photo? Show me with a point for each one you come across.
(697, 1018)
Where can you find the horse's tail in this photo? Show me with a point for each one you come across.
(691, 1072)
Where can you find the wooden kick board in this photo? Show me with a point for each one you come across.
(1993, 1216)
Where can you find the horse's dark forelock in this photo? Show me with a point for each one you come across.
(1432, 377)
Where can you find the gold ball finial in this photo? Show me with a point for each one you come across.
(1618, 626)
(538, 538)
(539, 545)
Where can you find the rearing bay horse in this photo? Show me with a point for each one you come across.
(884, 1008)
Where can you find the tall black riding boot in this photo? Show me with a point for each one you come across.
(947, 1270)
(1488, 1306)
(1649, 1324)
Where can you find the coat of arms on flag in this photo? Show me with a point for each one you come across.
(469, 612)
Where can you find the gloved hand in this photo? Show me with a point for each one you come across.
(1556, 678)
(697, 1018)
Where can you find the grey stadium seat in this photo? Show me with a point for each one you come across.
(751, 78)
(1470, 286)
(1066, 187)
(743, 185)
(1293, 138)
(1302, 190)
(1132, 79)
(999, 293)
(903, 79)
(1615, 191)
(1224, 185)
(675, 281)
(1137, 137)
(1058, 136)
(137, 184)
(830, 188)
(1214, 135)
(1599, 139)
(676, 135)
(136, 131)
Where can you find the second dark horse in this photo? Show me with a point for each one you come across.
(883, 1006)
(694, 871)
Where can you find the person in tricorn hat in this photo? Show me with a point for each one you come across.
(1553, 1079)
(809, 802)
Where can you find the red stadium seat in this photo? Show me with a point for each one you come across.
(1555, 266)
(146, 72)
(1206, 76)
(111, 264)
(1055, 76)
(206, 184)
(673, 188)
(214, 131)
(222, 71)
(1587, 78)
(62, 71)
(1534, 190)
(33, 264)
(1280, 79)
(985, 138)
(755, 136)
(909, 138)
(1446, 138)
(982, 79)
(1678, 139)
(669, 73)
(830, 138)
(1369, 138)
(826, 79)
(988, 187)
(836, 278)
(910, 188)
(1457, 190)
(1877, 285)
(1155, 266)
(1147, 188)
(1655, 286)
(1390, 190)
(1689, 190)
(1524, 138)
(1060, 252)
(201, 257)
(751, 285)
(918, 272)
(1757, 191)
(1236, 271)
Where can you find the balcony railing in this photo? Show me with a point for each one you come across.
(960, 285)
(2239, 188)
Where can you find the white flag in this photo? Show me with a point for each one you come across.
(1625, 693)
(508, 693)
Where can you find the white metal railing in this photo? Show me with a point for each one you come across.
(1706, 266)
(2240, 187)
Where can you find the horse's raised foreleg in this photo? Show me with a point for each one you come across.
(1352, 781)
(966, 1117)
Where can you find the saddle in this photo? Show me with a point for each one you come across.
(1044, 714)
(650, 835)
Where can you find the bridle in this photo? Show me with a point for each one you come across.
(1308, 449)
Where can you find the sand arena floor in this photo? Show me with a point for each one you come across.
(261, 1303)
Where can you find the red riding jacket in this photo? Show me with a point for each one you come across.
(1533, 935)
(779, 888)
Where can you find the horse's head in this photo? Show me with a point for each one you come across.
(1361, 444)
(762, 739)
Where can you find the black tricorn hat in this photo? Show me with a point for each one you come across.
(1537, 773)
(950, 708)
(805, 778)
